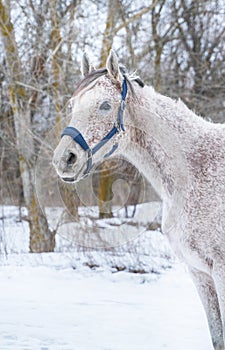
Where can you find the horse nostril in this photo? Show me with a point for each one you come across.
(71, 159)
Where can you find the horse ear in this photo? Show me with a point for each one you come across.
(112, 65)
(86, 67)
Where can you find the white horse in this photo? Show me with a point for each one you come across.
(182, 155)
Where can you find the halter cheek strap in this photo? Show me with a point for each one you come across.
(76, 135)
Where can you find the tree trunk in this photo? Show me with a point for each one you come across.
(105, 191)
(68, 193)
(106, 178)
(158, 46)
(41, 237)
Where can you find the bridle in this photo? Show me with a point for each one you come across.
(118, 127)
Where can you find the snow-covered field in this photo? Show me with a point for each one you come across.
(45, 308)
(56, 302)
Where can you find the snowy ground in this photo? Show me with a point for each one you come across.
(57, 302)
(44, 308)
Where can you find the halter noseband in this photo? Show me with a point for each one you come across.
(76, 135)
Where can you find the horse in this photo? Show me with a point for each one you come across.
(179, 153)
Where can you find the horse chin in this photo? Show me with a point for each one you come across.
(69, 179)
(73, 179)
(79, 175)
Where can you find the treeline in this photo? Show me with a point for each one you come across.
(175, 45)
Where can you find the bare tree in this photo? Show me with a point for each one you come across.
(198, 56)
(178, 46)
(41, 237)
(117, 19)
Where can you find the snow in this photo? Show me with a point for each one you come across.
(76, 299)
(45, 308)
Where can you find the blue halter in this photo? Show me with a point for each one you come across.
(76, 135)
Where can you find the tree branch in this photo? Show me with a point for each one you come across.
(135, 17)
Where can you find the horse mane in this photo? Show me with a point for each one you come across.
(96, 74)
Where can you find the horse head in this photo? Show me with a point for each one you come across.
(97, 107)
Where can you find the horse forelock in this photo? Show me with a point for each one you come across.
(88, 81)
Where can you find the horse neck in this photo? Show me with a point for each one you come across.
(161, 133)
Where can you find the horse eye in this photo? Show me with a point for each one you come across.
(105, 106)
